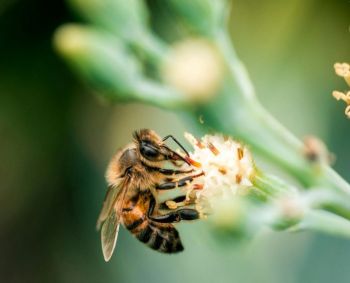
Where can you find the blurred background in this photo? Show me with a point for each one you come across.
(56, 138)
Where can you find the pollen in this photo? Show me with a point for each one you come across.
(198, 186)
(213, 149)
(227, 165)
(171, 204)
(239, 153)
(238, 178)
(222, 170)
(192, 140)
(200, 144)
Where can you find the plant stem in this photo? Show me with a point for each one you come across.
(154, 48)
(327, 200)
(158, 94)
(242, 116)
(271, 185)
(324, 221)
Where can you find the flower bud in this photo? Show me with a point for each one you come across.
(195, 68)
(229, 219)
(99, 57)
(202, 16)
(290, 210)
(124, 18)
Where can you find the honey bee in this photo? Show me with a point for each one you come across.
(134, 176)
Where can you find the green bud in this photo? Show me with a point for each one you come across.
(103, 60)
(124, 18)
(285, 211)
(203, 16)
(234, 218)
(128, 20)
(98, 57)
(324, 222)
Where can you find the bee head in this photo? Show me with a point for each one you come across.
(149, 145)
(152, 147)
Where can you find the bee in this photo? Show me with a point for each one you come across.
(134, 176)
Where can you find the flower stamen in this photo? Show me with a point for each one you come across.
(343, 70)
(198, 186)
(240, 153)
(222, 170)
(213, 149)
(200, 144)
(238, 178)
(227, 165)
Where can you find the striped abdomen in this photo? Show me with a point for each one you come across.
(162, 237)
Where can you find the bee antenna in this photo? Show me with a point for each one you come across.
(136, 135)
(177, 142)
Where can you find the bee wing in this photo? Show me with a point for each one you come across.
(110, 199)
(109, 234)
(110, 217)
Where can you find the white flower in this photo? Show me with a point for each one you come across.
(227, 165)
(194, 67)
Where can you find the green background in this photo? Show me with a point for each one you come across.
(56, 138)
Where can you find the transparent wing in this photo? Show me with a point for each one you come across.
(109, 235)
(110, 218)
(110, 199)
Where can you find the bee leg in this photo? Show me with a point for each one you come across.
(177, 216)
(172, 185)
(178, 200)
(174, 216)
(173, 172)
(180, 183)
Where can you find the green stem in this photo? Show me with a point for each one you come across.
(231, 114)
(158, 94)
(242, 116)
(153, 47)
(235, 66)
(324, 221)
(327, 200)
(274, 187)
(271, 185)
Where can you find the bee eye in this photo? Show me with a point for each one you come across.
(148, 151)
